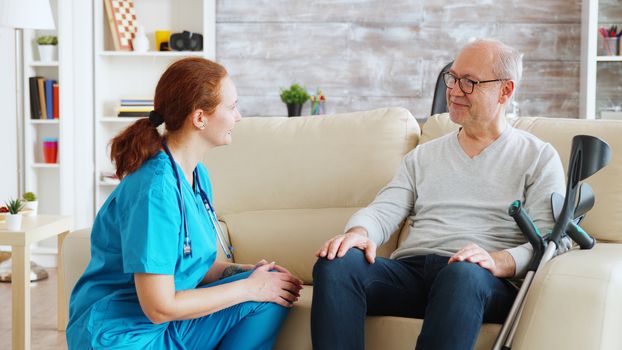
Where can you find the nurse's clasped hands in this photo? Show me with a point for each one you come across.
(273, 283)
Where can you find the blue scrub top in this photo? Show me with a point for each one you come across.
(139, 230)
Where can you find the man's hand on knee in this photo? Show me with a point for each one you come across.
(500, 264)
(339, 245)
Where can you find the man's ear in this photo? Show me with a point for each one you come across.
(507, 89)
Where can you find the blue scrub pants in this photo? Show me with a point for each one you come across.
(452, 299)
(249, 325)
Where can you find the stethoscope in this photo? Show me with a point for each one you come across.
(208, 206)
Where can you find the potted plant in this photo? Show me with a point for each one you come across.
(47, 48)
(294, 98)
(31, 203)
(14, 217)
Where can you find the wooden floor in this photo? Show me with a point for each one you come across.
(44, 335)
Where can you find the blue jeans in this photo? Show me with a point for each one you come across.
(453, 299)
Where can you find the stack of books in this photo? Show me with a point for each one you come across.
(43, 98)
(135, 107)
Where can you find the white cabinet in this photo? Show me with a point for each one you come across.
(52, 182)
(598, 85)
(122, 74)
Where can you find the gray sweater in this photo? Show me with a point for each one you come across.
(452, 199)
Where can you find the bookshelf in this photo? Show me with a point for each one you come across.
(598, 85)
(52, 182)
(123, 74)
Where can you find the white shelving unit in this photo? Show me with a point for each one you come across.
(120, 74)
(53, 183)
(590, 59)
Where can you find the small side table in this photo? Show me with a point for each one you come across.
(34, 229)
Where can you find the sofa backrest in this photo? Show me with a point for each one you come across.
(604, 221)
(285, 185)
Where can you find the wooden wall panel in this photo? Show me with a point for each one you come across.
(372, 54)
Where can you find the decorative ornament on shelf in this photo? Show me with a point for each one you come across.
(14, 217)
(31, 203)
(140, 42)
(48, 49)
(317, 103)
(294, 98)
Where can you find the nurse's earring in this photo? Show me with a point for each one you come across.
(202, 126)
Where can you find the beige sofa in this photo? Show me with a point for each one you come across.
(286, 185)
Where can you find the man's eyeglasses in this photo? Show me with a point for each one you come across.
(466, 85)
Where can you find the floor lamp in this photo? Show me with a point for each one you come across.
(20, 15)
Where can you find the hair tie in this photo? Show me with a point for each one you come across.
(155, 118)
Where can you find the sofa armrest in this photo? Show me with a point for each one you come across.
(76, 253)
(575, 302)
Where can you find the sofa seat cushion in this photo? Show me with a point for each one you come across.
(381, 332)
(289, 236)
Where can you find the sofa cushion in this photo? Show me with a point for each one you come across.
(577, 293)
(381, 332)
(289, 236)
(604, 221)
(338, 161)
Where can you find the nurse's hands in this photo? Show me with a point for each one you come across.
(278, 286)
(339, 245)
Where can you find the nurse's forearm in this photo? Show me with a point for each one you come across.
(223, 269)
(161, 303)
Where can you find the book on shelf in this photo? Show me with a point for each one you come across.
(35, 108)
(44, 98)
(109, 177)
(41, 87)
(49, 96)
(55, 99)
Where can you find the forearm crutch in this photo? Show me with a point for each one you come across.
(588, 155)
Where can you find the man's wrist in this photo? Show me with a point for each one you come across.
(359, 230)
(505, 266)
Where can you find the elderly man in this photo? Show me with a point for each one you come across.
(453, 268)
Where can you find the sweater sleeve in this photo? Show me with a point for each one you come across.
(545, 177)
(391, 206)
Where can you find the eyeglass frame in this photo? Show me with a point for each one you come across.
(473, 82)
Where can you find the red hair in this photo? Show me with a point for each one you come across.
(187, 85)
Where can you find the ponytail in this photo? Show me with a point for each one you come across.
(135, 145)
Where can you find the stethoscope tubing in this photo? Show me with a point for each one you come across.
(211, 214)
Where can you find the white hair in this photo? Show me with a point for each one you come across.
(508, 63)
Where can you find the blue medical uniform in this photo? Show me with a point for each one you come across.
(138, 230)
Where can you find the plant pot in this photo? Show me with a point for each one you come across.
(47, 53)
(294, 110)
(13, 221)
(32, 206)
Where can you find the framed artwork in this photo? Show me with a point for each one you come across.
(122, 23)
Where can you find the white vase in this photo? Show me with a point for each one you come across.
(140, 42)
(47, 53)
(32, 206)
(13, 221)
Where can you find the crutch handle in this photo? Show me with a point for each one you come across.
(530, 231)
(577, 234)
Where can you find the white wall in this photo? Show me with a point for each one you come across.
(8, 122)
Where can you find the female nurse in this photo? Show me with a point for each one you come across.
(153, 281)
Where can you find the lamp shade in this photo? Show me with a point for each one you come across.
(26, 14)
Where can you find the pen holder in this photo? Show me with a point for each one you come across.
(611, 46)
